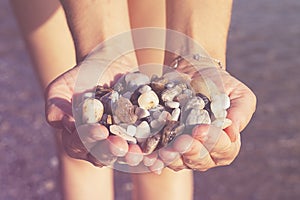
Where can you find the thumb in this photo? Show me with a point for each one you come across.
(56, 109)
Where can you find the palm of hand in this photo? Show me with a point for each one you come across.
(78, 142)
(209, 146)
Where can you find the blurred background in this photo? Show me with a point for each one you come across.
(263, 52)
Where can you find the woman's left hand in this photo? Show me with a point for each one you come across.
(209, 146)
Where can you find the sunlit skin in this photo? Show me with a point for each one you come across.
(90, 23)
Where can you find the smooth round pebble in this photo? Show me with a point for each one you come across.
(222, 99)
(143, 131)
(92, 110)
(121, 132)
(175, 114)
(222, 123)
(131, 130)
(141, 112)
(172, 104)
(148, 100)
(198, 116)
(144, 89)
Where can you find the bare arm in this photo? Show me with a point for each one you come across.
(206, 21)
(92, 21)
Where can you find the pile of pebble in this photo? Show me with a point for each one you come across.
(151, 112)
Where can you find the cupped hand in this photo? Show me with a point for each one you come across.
(90, 142)
(208, 146)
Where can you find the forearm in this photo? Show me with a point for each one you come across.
(93, 21)
(206, 21)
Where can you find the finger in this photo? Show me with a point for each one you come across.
(134, 155)
(102, 154)
(150, 159)
(58, 97)
(56, 109)
(177, 165)
(157, 167)
(211, 136)
(226, 156)
(198, 158)
(183, 143)
(217, 142)
(73, 146)
(168, 155)
(117, 145)
(90, 133)
(201, 132)
(243, 103)
(233, 131)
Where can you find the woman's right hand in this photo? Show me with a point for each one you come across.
(87, 140)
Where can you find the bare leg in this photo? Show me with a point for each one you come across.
(168, 185)
(52, 51)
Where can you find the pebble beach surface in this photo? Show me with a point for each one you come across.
(263, 51)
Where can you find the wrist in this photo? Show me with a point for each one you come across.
(206, 22)
(90, 22)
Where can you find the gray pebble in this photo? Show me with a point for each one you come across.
(134, 80)
(141, 112)
(171, 93)
(198, 116)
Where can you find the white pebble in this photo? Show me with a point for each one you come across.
(195, 102)
(171, 93)
(222, 123)
(92, 110)
(218, 109)
(198, 116)
(221, 99)
(172, 104)
(114, 96)
(131, 130)
(144, 89)
(170, 85)
(221, 114)
(87, 95)
(119, 131)
(143, 131)
(175, 114)
(148, 100)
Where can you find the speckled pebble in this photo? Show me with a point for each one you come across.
(92, 110)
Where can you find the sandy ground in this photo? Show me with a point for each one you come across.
(264, 52)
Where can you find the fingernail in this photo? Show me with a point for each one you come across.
(183, 143)
(133, 159)
(150, 159)
(168, 156)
